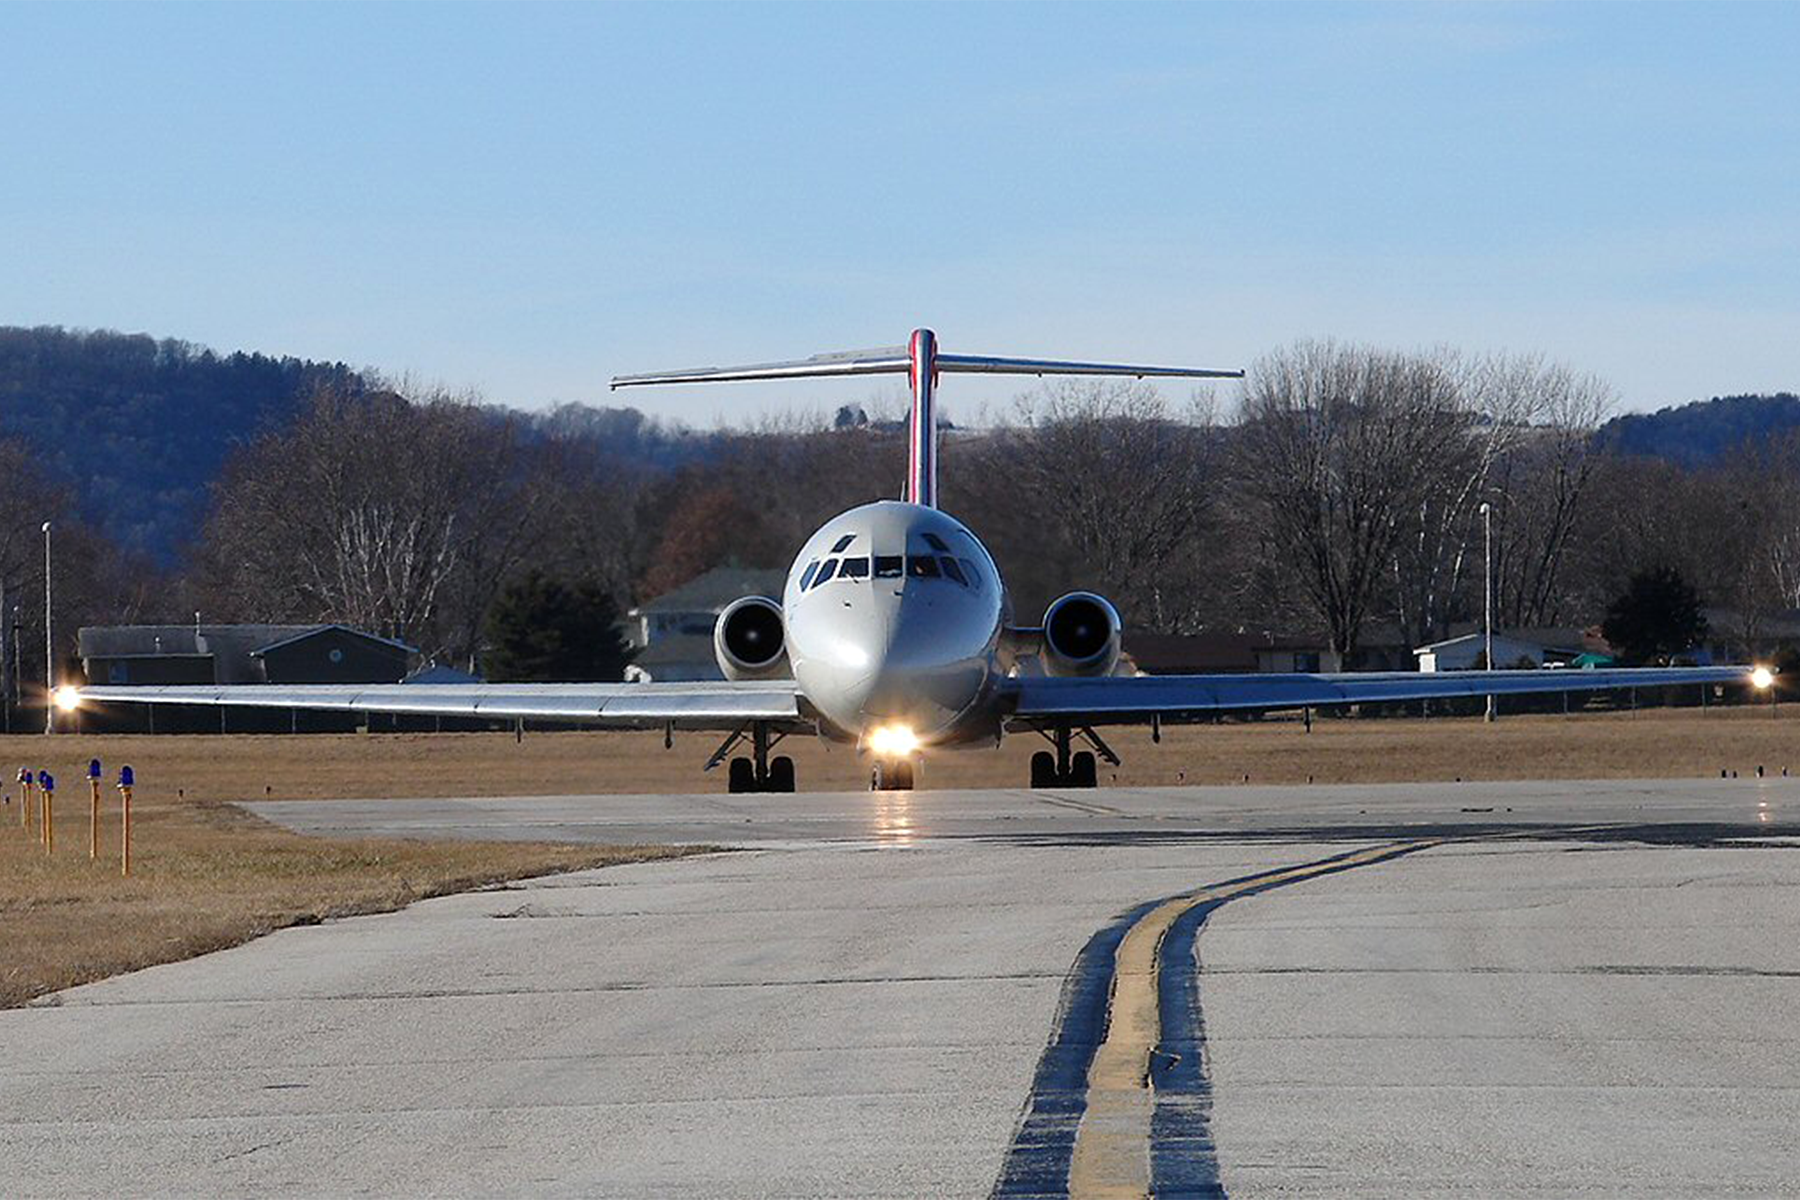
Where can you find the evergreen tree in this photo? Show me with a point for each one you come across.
(545, 630)
(1658, 617)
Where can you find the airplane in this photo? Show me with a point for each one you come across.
(895, 633)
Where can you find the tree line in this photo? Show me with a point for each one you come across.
(1341, 488)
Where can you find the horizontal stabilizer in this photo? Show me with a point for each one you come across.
(982, 364)
(897, 360)
(893, 359)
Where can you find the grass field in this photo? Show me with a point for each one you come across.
(208, 875)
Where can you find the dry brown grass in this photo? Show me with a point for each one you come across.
(1651, 743)
(207, 875)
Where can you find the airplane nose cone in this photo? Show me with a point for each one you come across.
(887, 663)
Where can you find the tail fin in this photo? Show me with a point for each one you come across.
(920, 359)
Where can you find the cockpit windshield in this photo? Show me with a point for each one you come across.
(923, 564)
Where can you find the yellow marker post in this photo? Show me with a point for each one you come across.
(47, 788)
(94, 809)
(125, 782)
(27, 797)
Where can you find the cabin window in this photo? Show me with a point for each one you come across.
(826, 571)
(812, 569)
(888, 566)
(922, 566)
(854, 568)
(951, 570)
(936, 543)
(843, 543)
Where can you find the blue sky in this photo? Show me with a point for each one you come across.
(526, 199)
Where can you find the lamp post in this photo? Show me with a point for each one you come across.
(49, 645)
(1487, 590)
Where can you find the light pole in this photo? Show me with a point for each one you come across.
(1487, 592)
(49, 645)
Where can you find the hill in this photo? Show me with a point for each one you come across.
(1694, 435)
(139, 427)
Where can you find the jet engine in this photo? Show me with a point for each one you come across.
(750, 641)
(1081, 635)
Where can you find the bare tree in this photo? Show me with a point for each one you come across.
(395, 517)
(1340, 450)
(1100, 484)
(1538, 486)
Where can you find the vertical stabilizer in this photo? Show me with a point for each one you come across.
(921, 454)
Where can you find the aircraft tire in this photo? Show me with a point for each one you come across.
(1083, 772)
(1043, 769)
(742, 777)
(891, 777)
(781, 774)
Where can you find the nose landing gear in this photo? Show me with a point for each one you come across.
(895, 776)
(1066, 767)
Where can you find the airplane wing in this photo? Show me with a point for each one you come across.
(702, 705)
(1117, 699)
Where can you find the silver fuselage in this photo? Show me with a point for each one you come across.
(905, 631)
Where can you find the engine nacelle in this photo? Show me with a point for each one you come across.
(1081, 635)
(750, 639)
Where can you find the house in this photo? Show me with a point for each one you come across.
(1731, 636)
(675, 658)
(693, 608)
(1212, 653)
(334, 654)
(1382, 647)
(1511, 649)
(137, 655)
(671, 636)
(152, 654)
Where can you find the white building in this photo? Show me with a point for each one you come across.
(1464, 653)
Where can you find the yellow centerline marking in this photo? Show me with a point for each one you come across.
(1112, 1145)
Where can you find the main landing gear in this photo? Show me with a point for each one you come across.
(1066, 767)
(757, 772)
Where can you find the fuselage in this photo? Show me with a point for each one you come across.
(894, 614)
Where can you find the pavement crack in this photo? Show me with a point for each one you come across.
(248, 1151)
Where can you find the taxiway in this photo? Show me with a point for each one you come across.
(1491, 989)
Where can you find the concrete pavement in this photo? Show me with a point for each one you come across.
(1588, 994)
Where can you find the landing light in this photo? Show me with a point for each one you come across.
(1762, 677)
(67, 698)
(893, 741)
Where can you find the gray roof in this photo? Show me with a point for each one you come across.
(1543, 639)
(150, 641)
(715, 589)
(315, 630)
(120, 641)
